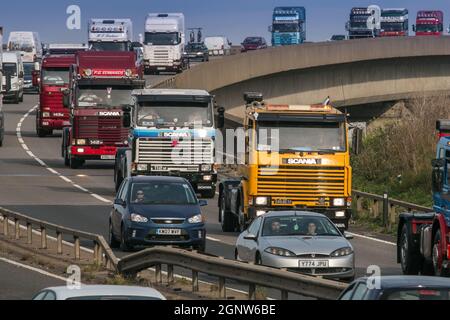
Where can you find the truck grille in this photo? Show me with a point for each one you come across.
(107, 129)
(160, 56)
(53, 100)
(179, 154)
(302, 184)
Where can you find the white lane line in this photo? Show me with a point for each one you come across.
(371, 238)
(40, 271)
(43, 164)
(213, 239)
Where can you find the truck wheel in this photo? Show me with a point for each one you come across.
(410, 261)
(41, 132)
(438, 256)
(226, 218)
(75, 163)
(113, 243)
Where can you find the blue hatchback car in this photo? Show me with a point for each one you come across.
(150, 211)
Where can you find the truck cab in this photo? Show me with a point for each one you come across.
(296, 158)
(288, 26)
(394, 22)
(172, 133)
(13, 73)
(429, 23)
(110, 34)
(364, 22)
(27, 42)
(100, 86)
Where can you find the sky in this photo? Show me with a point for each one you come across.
(235, 19)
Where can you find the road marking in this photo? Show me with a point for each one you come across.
(43, 164)
(213, 239)
(371, 238)
(40, 271)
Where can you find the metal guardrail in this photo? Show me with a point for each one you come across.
(385, 205)
(102, 254)
(253, 275)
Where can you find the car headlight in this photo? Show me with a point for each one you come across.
(138, 218)
(339, 202)
(196, 219)
(342, 252)
(280, 252)
(45, 114)
(261, 201)
(81, 142)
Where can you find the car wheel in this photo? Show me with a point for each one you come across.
(112, 239)
(124, 246)
(258, 260)
(410, 261)
(200, 248)
(226, 218)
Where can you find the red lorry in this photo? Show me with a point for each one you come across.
(100, 89)
(429, 23)
(54, 79)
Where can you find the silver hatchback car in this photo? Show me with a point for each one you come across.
(302, 242)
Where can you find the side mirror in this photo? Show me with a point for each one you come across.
(357, 140)
(126, 119)
(120, 202)
(414, 27)
(438, 175)
(221, 118)
(202, 203)
(21, 74)
(348, 236)
(251, 237)
(66, 99)
(36, 80)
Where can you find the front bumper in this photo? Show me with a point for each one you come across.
(341, 267)
(94, 153)
(163, 67)
(54, 123)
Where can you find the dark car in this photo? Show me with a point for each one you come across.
(338, 37)
(253, 43)
(398, 288)
(151, 211)
(196, 51)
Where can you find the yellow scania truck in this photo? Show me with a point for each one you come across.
(296, 157)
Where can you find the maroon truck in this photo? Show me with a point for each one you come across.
(100, 88)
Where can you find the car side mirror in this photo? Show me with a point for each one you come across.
(120, 202)
(348, 236)
(221, 118)
(202, 203)
(251, 237)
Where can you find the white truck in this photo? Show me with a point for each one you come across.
(28, 42)
(13, 76)
(110, 34)
(164, 43)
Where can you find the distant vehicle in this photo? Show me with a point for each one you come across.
(394, 22)
(364, 22)
(64, 48)
(399, 288)
(196, 51)
(429, 23)
(98, 292)
(164, 42)
(152, 211)
(28, 86)
(2, 88)
(13, 71)
(253, 43)
(338, 37)
(29, 43)
(218, 46)
(288, 26)
(110, 34)
(302, 242)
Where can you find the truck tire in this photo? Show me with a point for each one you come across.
(42, 133)
(75, 163)
(410, 261)
(226, 217)
(437, 256)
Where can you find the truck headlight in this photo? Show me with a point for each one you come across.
(206, 167)
(88, 72)
(342, 252)
(339, 202)
(261, 201)
(45, 114)
(128, 73)
(81, 142)
(142, 167)
(138, 218)
(280, 252)
(339, 214)
(207, 178)
(196, 219)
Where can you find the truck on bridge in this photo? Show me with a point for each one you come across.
(52, 81)
(296, 157)
(110, 34)
(164, 43)
(394, 22)
(172, 133)
(429, 23)
(423, 239)
(365, 22)
(100, 85)
(288, 26)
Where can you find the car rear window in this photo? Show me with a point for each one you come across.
(421, 294)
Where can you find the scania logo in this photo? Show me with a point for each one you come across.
(109, 113)
(302, 161)
(175, 134)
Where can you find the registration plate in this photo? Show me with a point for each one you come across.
(168, 232)
(313, 264)
(161, 68)
(106, 157)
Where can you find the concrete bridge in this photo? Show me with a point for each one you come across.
(364, 76)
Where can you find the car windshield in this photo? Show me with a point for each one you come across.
(421, 294)
(179, 114)
(55, 76)
(299, 226)
(104, 96)
(10, 68)
(301, 136)
(252, 41)
(162, 38)
(109, 46)
(286, 27)
(427, 28)
(162, 193)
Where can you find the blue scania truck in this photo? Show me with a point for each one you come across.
(172, 133)
(288, 26)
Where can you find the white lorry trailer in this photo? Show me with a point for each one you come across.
(13, 76)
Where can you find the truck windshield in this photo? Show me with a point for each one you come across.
(104, 96)
(55, 76)
(28, 69)
(179, 114)
(10, 69)
(301, 137)
(427, 28)
(360, 24)
(162, 38)
(25, 46)
(286, 27)
(392, 26)
(162, 193)
(109, 46)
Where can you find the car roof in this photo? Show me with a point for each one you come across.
(392, 282)
(157, 179)
(293, 213)
(64, 292)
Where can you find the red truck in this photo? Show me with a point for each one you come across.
(100, 89)
(54, 79)
(429, 23)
